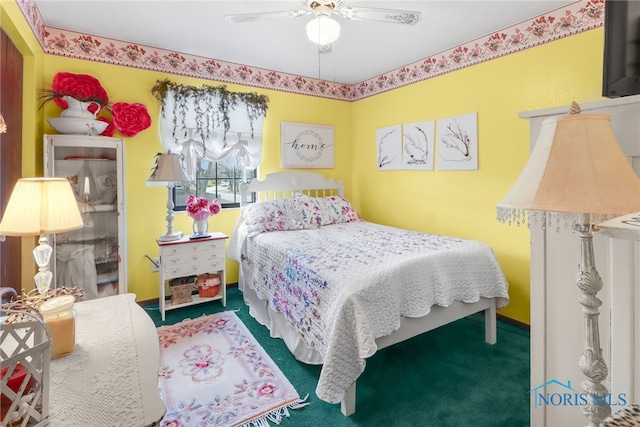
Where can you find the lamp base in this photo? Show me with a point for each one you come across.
(170, 237)
(42, 254)
(591, 362)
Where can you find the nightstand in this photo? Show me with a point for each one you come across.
(186, 257)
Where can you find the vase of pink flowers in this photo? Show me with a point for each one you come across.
(200, 209)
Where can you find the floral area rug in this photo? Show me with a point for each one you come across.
(214, 373)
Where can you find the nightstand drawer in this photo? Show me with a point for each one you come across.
(188, 264)
(175, 271)
(194, 246)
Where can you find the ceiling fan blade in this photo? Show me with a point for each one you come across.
(380, 15)
(251, 17)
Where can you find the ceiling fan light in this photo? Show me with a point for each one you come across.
(323, 30)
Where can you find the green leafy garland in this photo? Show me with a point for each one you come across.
(218, 101)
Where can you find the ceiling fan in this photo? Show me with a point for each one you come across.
(323, 30)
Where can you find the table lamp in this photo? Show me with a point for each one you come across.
(168, 171)
(41, 206)
(578, 174)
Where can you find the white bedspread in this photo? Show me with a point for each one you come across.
(342, 286)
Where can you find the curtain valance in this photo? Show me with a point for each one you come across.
(210, 122)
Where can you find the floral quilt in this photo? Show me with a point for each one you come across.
(341, 286)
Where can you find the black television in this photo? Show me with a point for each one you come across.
(621, 68)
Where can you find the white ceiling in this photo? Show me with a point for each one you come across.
(364, 49)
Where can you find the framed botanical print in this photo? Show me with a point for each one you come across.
(389, 147)
(418, 145)
(458, 142)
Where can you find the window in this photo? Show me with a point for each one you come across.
(222, 127)
(215, 180)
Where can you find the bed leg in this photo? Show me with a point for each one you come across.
(348, 404)
(490, 332)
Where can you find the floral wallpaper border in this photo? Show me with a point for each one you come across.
(583, 15)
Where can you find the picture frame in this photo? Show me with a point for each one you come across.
(458, 143)
(418, 145)
(389, 147)
(307, 145)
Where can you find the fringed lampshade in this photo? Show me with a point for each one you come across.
(576, 167)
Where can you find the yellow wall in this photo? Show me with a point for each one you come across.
(460, 203)
(463, 203)
(146, 206)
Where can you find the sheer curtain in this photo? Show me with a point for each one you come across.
(196, 128)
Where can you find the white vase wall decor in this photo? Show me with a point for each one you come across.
(77, 119)
(78, 109)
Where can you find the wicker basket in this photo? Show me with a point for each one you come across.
(191, 280)
(181, 294)
(208, 285)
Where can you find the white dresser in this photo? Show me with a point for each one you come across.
(557, 326)
(186, 257)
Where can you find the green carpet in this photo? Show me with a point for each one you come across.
(446, 377)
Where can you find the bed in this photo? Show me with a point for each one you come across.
(337, 288)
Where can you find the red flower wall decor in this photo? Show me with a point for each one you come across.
(130, 119)
(127, 118)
